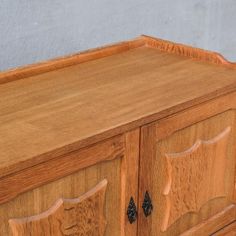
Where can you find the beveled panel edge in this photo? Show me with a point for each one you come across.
(188, 51)
(203, 161)
(185, 118)
(229, 229)
(214, 223)
(198, 143)
(60, 211)
(35, 176)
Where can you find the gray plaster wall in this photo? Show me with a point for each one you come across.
(34, 30)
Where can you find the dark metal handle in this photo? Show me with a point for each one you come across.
(132, 211)
(147, 205)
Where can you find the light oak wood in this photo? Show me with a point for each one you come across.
(188, 51)
(93, 54)
(115, 160)
(142, 116)
(189, 172)
(217, 221)
(50, 114)
(187, 185)
(203, 111)
(55, 64)
(39, 200)
(79, 216)
(129, 180)
(17, 183)
(229, 230)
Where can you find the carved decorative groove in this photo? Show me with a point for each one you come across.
(79, 216)
(188, 51)
(189, 173)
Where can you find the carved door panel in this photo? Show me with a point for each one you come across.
(90, 201)
(79, 216)
(188, 170)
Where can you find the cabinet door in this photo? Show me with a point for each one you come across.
(86, 192)
(187, 174)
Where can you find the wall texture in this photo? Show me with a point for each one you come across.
(33, 30)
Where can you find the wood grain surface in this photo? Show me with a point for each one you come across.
(218, 221)
(79, 216)
(170, 201)
(129, 180)
(188, 51)
(190, 171)
(93, 54)
(37, 175)
(229, 230)
(68, 124)
(42, 198)
(53, 113)
(35, 190)
(58, 63)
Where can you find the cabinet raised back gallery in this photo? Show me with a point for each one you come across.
(132, 139)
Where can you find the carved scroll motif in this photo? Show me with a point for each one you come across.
(188, 51)
(195, 176)
(81, 216)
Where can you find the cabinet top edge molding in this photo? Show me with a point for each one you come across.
(59, 106)
(105, 51)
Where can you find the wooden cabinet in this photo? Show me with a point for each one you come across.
(91, 199)
(134, 139)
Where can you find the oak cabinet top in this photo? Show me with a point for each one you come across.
(59, 106)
